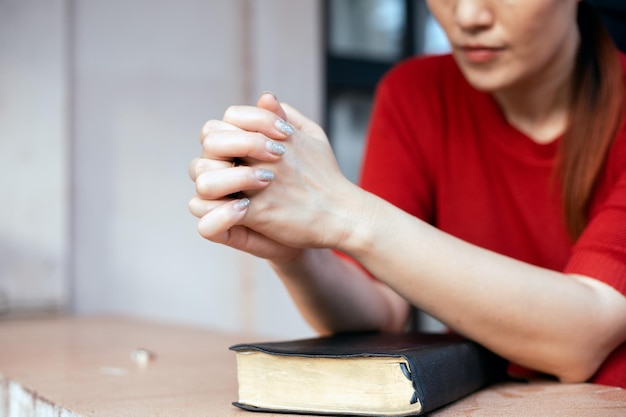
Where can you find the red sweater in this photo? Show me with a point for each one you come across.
(443, 151)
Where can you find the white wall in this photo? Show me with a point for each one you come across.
(144, 76)
(33, 155)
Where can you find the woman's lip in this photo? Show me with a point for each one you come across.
(480, 54)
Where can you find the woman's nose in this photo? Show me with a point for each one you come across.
(472, 15)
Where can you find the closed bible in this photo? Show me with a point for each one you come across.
(374, 374)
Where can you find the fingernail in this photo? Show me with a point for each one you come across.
(264, 175)
(242, 204)
(284, 127)
(269, 92)
(276, 148)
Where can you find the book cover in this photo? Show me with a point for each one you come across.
(363, 373)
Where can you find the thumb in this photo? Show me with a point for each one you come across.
(303, 123)
(268, 101)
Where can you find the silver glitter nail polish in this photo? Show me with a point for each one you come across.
(276, 148)
(284, 127)
(264, 174)
(242, 204)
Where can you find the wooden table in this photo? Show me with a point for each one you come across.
(70, 367)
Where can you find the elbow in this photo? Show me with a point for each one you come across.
(577, 374)
(596, 338)
(577, 366)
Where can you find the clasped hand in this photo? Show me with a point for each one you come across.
(268, 183)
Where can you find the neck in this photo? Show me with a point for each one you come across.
(539, 107)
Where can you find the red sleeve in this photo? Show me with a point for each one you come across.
(398, 163)
(399, 156)
(600, 252)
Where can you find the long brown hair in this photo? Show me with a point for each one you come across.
(595, 117)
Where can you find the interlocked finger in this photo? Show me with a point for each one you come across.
(199, 207)
(201, 165)
(227, 145)
(221, 183)
(257, 119)
(216, 126)
(216, 224)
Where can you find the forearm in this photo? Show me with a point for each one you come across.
(543, 319)
(335, 295)
(539, 318)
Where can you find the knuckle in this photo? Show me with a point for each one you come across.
(213, 227)
(231, 112)
(205, 191)
(204, 185)
(191, 205)
(209, 126)
(200, 207)
(193, 168)
(205, 232)
(202, 166)
(195, 207)
(209, 142)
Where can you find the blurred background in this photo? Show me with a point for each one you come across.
(101, 104)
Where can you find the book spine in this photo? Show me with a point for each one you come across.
(442, 375)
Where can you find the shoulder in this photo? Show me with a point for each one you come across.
(612, 182)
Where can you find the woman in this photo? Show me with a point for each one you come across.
(494, 193)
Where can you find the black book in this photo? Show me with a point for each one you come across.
(374, 374)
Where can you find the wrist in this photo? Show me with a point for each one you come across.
(359, 221)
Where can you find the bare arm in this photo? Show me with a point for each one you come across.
(335, 295)
(560, 324)
(552, 322)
